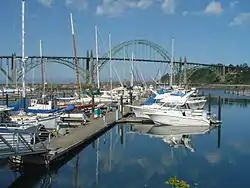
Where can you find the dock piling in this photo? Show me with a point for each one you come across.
(209, 103)
(7, 99)
(121, 105)
(219, 108)
(93, 105)
(116, 114)
(131, 99)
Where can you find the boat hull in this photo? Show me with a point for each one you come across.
(175, 120)
(48, 122)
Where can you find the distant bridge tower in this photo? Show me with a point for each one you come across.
(87, 68)
(13, 69)
(91, 69)
(185, 71)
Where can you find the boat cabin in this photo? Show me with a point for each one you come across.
(42, 104)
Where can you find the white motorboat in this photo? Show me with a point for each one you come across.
(178, 103)
(181, 118)
(193, 101)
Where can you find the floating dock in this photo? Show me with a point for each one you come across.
(81, 135)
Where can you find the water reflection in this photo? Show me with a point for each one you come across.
(174, 136)
(137, 156)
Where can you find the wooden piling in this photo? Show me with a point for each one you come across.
(219, 136)
(121, 105)
(209, 103)
(93, 105)
(7, 99)
(219, 108)
(131, 98)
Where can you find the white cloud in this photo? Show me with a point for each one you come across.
(143, 4)
(213, 158)
(232, 4)
(241, 19)
(213, 7)
(79, 4)
(169, 6)
(117, 7)
(46, 3)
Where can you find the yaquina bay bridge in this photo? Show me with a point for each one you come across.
(144, 51)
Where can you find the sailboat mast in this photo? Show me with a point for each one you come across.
(42, 67)
(172, 64)
(76, 60)
(97, 57)
(132, 70)
(110, 66)
(23, 56)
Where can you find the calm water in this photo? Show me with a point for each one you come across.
(126, 160)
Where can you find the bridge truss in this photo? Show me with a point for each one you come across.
(156, 61)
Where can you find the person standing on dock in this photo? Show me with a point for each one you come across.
(84, 119)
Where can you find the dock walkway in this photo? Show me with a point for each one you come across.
(59, 146)
(79, 135)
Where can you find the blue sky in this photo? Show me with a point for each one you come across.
(205, 31)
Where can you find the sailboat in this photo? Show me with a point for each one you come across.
(23, 117)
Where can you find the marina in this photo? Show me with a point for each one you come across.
(110, 121)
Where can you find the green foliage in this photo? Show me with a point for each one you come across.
(175, 183)
(234, 74)
(204, 75)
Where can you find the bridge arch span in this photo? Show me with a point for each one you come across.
(31, 65)
(118, 48)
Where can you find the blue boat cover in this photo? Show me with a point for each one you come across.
(177, 94)
(43, 111)
(69, 107)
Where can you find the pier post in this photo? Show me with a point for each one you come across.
(121, 105)
(219, 136)
(209, 103)
(93, 105)
(7, 99)
(121, 134)
(117, 114)
(219, 108)
(130, 98)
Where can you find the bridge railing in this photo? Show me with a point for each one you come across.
(20, 142)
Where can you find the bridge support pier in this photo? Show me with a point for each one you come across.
(13, 69)
(91, 68)
(185, 72)
(87, 68)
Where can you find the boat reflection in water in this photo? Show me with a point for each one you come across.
(174, 136)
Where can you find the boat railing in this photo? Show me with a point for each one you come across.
(21, 142)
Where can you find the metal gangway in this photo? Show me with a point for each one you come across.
(21, 142)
